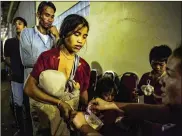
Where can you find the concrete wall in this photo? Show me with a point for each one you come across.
(27, 11)
(122, 33)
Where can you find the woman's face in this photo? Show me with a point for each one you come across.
(75, 41)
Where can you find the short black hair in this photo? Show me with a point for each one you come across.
(21, 19)
(178, 54)
(160, 53)
(46, 3)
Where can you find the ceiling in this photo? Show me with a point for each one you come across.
(5, 5)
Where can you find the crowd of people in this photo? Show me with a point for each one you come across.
(43, 54)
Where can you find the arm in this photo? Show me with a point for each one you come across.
(7, 54)
(81, 124)
(86, 79)
(32, 90)
(154, 113)
(53, 30)
(84, 97)
(26, 49)
(87, 130)
(31, 87)
(7, 61)
(139, 91)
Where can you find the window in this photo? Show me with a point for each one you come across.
(81, 8)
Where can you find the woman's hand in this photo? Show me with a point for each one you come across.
(65, 110)
(79, 120)
(76, 85)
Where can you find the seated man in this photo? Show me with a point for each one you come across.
(169, 113)
(158, 58)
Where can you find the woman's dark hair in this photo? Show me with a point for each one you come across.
(160, 53)
(69, 24)
(46, 3)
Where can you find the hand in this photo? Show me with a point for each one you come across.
(79, 120)
(135, 95)
(53, 30)
(76, 85)
(157, 96)
(99, 104)
(65, 110)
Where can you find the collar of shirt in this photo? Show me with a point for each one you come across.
(38, 33)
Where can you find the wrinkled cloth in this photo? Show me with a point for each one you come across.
(54, 83)
(46, 116)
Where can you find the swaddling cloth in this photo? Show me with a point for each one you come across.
(54, 83)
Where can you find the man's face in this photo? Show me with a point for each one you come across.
(158, 67)
(172, 83)
(19, 25)
(46, 17)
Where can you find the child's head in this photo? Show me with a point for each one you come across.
(158, 58)
(74, 32)
(106, 89)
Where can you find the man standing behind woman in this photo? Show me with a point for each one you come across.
(35, 40)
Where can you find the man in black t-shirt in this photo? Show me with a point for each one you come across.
(13, 60)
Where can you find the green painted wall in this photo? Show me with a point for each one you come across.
(122, 33)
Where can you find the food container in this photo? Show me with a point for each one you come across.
(92, 119)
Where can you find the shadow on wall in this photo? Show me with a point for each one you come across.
(97, 66)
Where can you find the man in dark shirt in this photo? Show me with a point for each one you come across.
(13, 60)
